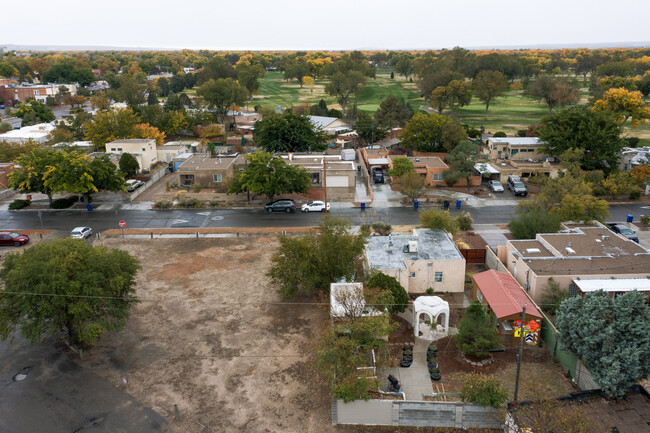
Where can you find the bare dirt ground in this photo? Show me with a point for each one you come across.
(211, 337)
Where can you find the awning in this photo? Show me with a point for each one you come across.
(484, 167)
(378, 161)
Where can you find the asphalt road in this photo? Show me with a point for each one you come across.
(232, 218)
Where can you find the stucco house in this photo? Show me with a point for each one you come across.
(331, 125)
(514, 148)
(39, 133)
(425, 259)
(143, 149)
(579, 251)
(209, 172)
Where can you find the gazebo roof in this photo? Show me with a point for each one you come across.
(504, 295)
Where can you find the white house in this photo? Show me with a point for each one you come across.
(331, 125)
(37, 133)
(144, 150)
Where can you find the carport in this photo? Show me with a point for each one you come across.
(487, 171)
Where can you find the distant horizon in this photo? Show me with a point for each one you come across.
(549, 46)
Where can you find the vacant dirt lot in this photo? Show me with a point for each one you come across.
(211, 337)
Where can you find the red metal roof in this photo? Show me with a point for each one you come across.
(504, 295)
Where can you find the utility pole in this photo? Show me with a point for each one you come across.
(521, 348)
(325, 181)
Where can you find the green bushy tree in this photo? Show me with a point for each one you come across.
(477, 333)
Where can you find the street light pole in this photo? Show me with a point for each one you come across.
(521, 348)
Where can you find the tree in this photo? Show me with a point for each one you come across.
(100, 101)
(641, 173)
(624, 105)
(269, 175)
(177, 83)
(610, 335)
(222, 94)
(411, 184)
(345, 84)
(463, 158)
(401, 166)
(105, 175)
(393, 112)
(484, 389)
(174, 121)
(73, 174)
(581, 128)
(477, 333)
(33, 112)
(431, 133)
(439, 98)
(556, 92)
(35, 167)
(620, 184)
(488, 85)
(110, 125)
(68, 286)
(529, 221)
(403, 65)
(436, 219)
(163, 86)
(367, 130)
(288, 132)
(309, 263)
(553, 296)
(459, 94)
(130, 91)
(297, 69)
(144, 130)
(398, 295)
(152, 99)
(129, 165)
(249, 76)
(583, 208)
(68, 71)
(644, 86)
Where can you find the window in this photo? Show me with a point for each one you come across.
(119, 149)
(479, 295)
(112, 149)
(573, 290)
(437, 176)
(36, 92)
(412, 274)
(216, 178)
(437, 277)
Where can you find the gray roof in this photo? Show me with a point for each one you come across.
(432, 245)
(322, 121)
(516, 141)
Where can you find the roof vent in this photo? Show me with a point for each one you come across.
(533, 250)
(570, 250)
(417, 159)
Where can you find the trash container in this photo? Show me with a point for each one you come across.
(458, 202)
(29, 197)
(446, 204)
(363, 205)
(89, 206)
(359, 168)
(630, 218)
(416, 204)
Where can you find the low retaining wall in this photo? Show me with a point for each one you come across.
(5, 194)
(416, 414)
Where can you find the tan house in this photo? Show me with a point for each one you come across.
(580, 251)
(341, 174)
(426, 259)
(331, 125)
(143, 149)
(514, 148)
(209, 172)
(430, 168)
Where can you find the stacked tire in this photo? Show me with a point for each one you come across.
(432, 362)
(407, 356)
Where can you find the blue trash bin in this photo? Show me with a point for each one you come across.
(630, 218)
(416, 204)
(89, 206)
(363, 205)
(458, 202)
(446, 204)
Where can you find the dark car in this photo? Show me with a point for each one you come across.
(281, 205)
(625, 231)
(379, 177)
(12, 238)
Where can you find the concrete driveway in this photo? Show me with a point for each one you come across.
(57, 395)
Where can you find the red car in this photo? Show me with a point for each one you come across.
(12, 238)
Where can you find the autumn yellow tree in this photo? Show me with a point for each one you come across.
(144, 130)
(624, 105)
(641, 173)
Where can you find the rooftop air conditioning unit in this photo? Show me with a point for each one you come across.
(413, 246)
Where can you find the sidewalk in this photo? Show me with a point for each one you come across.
(415, 380)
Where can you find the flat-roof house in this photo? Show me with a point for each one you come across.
(501, 293)
(37, 133)
(331, 125)
(578, 252)
(40, 92)
(341, 174)
(514, 148)
(613, 286)
(430, 167)
(426, 259)
(207, 171)
(143, 149)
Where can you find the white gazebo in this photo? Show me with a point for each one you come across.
(430, 307)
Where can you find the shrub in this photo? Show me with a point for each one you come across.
(192, 202)
(499, 134)
(476, 331)
(450, 177)
(645, 219)
(64, 203)
(196, 188)
(386, 283)
(167, 187)
(635, 195)
(483, 389)
(163, 204)
(382, 229)
(464, 221)
(473, 133)
(19, 204)
(430, 291)
(436, 219)
(214, 203)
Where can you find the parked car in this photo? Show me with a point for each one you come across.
(2, 107)
(516, 186)
(13, 238)
(315, 206)
(625, 231)
(281, 205)
(495, 186)
(379, 177)
(81, 232)
(133, 184)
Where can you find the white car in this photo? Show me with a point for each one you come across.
(315, 206)
(495, 186)
(81, 232)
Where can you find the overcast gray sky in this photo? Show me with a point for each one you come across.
(331, 24)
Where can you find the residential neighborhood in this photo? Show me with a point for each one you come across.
(266, 235)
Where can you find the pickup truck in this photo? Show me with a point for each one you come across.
(624, 230)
